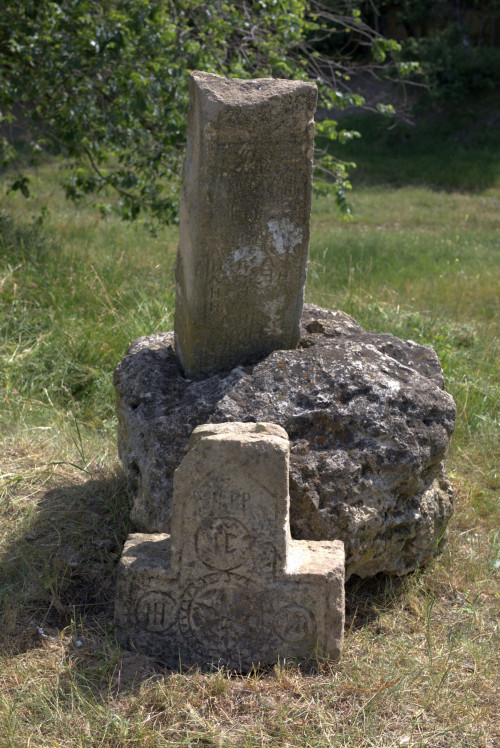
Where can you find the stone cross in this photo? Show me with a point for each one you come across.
(229, 585)
(244, 221)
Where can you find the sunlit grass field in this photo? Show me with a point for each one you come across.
(420, 664)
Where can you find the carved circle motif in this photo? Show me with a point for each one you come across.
(293, 623)
(220, 543)
(223, 614)
(155, 612)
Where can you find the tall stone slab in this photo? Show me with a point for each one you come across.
(229, 585)
(244, 220)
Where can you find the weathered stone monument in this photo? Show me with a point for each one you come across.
(229, 586)
(244, 221)
(367, 416)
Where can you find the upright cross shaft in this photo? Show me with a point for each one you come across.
(244, 221)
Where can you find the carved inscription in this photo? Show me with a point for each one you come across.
(224, 611)
(222, 543)
(292, 623)
(225, 543)
(236, 502)
(155, 611)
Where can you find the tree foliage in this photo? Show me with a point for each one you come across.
(107, 83)
(456, 43)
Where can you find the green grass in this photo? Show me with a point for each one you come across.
(420, 663)
(72, 301)
(457, 151)
(426, 266)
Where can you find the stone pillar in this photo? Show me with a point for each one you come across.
(244, 220)
(229, 586)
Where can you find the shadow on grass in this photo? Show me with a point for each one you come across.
(60, 571)
(57, 583)
(365, 599)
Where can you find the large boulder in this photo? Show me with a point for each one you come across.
(369, 424)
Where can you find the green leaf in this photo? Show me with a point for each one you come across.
(20, 184)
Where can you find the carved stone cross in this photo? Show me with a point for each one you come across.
(229, 585)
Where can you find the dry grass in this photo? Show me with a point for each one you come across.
(419, 668)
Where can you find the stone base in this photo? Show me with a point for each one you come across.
(227, 618)
(369, 424)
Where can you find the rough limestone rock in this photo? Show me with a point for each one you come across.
(369, 425)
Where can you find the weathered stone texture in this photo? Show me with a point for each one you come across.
(230, 586)
(369, 425)
(244, 220)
